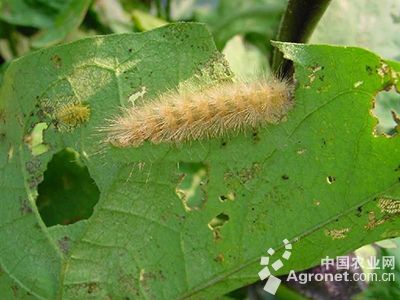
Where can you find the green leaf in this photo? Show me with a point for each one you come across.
(66, 21)
(385, 289)
(365, 23)
(362, 23)
(245, 59)
(56, 19)
(11, 290)
(145, 21)
(34, 13)
(257, 17)
(66, 236)
(111, 14)
(317, 179)
(13, 44)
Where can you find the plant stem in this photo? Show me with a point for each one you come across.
(159, 8)
(168, 10)
(297, 24)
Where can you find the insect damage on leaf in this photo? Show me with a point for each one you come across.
(389, 206)
(337, 234)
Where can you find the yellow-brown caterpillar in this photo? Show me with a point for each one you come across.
(208, 113)
(72, 114)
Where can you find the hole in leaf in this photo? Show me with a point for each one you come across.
(387, 110)
(228, 197)
(330, 179)
(218, 221)
(191, 187)
(67, 193)
(35, 139)
(216, 224)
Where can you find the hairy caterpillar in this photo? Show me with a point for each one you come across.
(208, 113)
(72, 114)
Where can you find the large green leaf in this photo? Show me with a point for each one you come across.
(317, 179)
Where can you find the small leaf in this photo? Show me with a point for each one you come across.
(144, 21)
